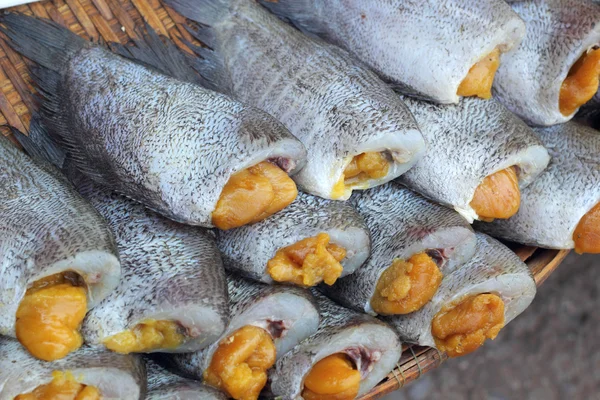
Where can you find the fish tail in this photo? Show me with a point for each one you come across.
(300, 13)
(206, 12)
(42, 41)
(39, 145)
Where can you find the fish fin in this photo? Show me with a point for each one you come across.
(160, 53)
(42, 41)
(206, 12)
(303, 14)
(39, 145)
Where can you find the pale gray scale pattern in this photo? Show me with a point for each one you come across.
(248, 249)
(171, 272)
(553, 205)
(164, 385)
(426, 48)
(372, 345)
(47, 228)
(116, 376)
(168, 144)
(289, 314)
(402, 224)
(466, 143)
(494, 269)
(331, 102)
(559, 32)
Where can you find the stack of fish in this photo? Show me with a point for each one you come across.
(270, 216)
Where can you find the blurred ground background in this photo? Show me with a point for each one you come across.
(550, 352)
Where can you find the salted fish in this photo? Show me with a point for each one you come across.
(47, 228)
(334, 105)
(248, 249)
(466, 143)
(371, 344)
(164, 385)
(530, 78)
(287, 313)
(169, 144)
(568, 189)
(402, 223)
(116, 376)
(493, 269)
(426, 48)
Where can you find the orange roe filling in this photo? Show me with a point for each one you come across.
(498, 196)
(464, 328)
(252, 195)
(363, 167)
(50, 314)
(332, 378)
(240, 363)
(62, 387)
(480, 78)
(147, 336)
(406, 286)
(308, 262)
(587, 233)
(581, 84)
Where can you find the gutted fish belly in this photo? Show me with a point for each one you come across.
(172, 296)
(266, 322)
(164, 385)
(557, 207)
(555, 69)
(95, 373)
(326, 363)
(151, 137)
(58, 257)
(405, 228)
(430, 49)
(357, 132)
(464, 311)
(468, 144)
(285, 247)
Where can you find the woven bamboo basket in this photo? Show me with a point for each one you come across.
(117, 21)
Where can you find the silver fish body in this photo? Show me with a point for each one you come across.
(553, 205)
(287, 313)
(371, 344)
(426, 48)
(559, 32)
(466, 143)
(163, 385)
(116, 376)
(248, 249)
(493, 269)
(47, 228)
(402, 224)
(168, 144)
(334, 105)
(171, 272)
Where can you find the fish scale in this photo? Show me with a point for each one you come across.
(167, 143)
(426, 48)
(331, 102)
(47, 228)
(116, 376)
(554, 204)
(402, 224)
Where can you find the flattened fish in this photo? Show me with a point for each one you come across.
(555, 69)
(312, 240)
(93, 373)
(163, 385)
(438, 50)
(357, 132)
(479, 156)
(55, 249)
(266, 322)
(415, 243)
(172, 296)
(560, 209)
(189, 153)
(473, 303)
(347, 356)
